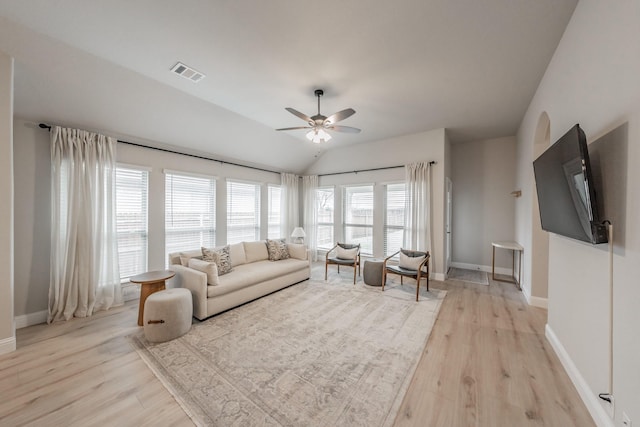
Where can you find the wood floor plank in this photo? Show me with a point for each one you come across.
(487, 363)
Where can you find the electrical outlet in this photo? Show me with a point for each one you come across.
(626, 421)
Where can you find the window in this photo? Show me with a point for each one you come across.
(243, 212)
(394, 218)
(324, 210)
(190, 212)
(273, 225)
(131, 220)
(358, 217)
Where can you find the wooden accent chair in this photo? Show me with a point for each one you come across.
(422, 270)
(338, 258)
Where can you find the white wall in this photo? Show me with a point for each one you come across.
(425, 146)
(593, 79)
(484, 175)
(7, 327)
(32, 210)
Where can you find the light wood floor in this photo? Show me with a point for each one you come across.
(487, 363)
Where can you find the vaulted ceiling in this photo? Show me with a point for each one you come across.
(405, 67)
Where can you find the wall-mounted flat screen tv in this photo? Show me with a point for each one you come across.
(566, 193)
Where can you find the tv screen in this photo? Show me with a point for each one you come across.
(566, 194)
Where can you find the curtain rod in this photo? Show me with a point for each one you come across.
(224, 162)
(431, 163)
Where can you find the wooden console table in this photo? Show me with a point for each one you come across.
(150, 282)
(513, 247)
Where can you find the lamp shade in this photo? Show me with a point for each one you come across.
(298, 232)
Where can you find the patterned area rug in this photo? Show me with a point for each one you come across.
(471, 276)
(314, 354)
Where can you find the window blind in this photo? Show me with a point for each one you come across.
(394, 217)
(324, 210)
(358, 217)
(131, 220)
(190, 212)
(243, 212)
(274, 215)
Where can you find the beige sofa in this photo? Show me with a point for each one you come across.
(253, 276)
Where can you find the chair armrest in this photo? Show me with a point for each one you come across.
(326, 257)
(196, 282)
(384, 264)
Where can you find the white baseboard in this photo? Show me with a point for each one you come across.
(486, 268)
(591, 400)
(130, 292)
(31, 319)
(535, 301)
(7, 345)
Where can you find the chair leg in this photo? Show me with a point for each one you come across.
(417, 288)
(326, 267)
(384, 278)
(401, 279)
(338, 268)
(354, 275)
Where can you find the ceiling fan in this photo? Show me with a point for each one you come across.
(319, 124)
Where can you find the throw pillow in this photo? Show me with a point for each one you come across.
(210, 268)
(343, 253)
(221, 256)
(410, 262)
(277, 250)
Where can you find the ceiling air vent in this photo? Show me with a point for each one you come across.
(187, 72)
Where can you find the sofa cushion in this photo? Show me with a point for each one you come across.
(252, 273)
(210, 268)
(410, 262)
(297, 250)
(236, 251)
(220, 256)
(256, 251)
(277, 249)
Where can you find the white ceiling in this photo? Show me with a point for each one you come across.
(407, 66)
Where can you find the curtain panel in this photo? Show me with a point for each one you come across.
(417, 233)
(289, 206)
(84, 254)
(309, 187)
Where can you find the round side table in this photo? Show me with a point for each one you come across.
(150, 282)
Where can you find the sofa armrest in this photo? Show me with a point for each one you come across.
(196, 282)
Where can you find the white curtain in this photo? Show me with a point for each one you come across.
(417, 232)
(309, 187)
(84, 253)
(289, 206)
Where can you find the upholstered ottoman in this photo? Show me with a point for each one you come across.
(373, 272)
(167, 314)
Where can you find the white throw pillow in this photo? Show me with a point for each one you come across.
(210, 268)
(409, 262)
(185, 257)
(343, 253)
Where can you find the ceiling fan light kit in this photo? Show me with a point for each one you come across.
(319, 124)
(318, 136)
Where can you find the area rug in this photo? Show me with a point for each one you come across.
(314, 354)
(471, 276)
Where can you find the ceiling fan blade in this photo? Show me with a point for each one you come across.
(347, 129)
(295, 128)
(340, 115)
(299, 114)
